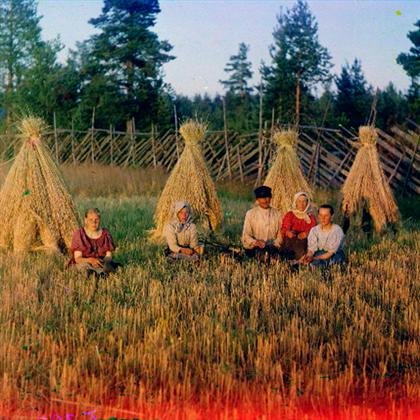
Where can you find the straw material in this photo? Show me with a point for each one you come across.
(285, 176)
(366, 182)
(36, 209)
(189, 180)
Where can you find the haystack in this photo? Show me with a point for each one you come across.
(189, 180)
(366, 184)
(285, 177)
(36, 209)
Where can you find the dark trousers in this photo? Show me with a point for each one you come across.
(293, 248)
(337, 258)
(264, 254)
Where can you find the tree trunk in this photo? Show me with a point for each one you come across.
(297, 111)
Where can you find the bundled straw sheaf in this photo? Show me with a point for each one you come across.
(285, 176)
(366, 183)
(36, 209)
(190, 180)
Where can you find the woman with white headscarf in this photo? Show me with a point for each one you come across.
(181, 234)
(295, 227)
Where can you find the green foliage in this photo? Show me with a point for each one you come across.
(122, 65)
(239, 69)
(411, 64)
(354, 96)
(20, 49)
(298, 61)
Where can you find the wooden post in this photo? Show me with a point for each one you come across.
(241, 171)
(229, 168)
(176, 131)
(73, 157)
(260, 128)
(55, 138)
(298, 101)
(133, 129)
(153, 146)
(111, 143)
(92, 138)
(410, 167)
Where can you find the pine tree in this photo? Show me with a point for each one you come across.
(238, 99)
(126, 59)
(239, 69)
(354, 96)
(298, 61)
(20, 39)
(411, 64)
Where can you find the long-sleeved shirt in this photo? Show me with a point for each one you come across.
(293, 223)
(328, 240)
(261, 224)
(185, 238)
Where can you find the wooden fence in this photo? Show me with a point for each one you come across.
(326, 154)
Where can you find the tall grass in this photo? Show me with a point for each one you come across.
(217, 339)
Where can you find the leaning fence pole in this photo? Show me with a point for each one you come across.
(176, 131)
(153, 146)
(92, 147)
(133, 130)
(229, 168)
(260, 134)
(73, 157)
(55, 137)
(111, 143)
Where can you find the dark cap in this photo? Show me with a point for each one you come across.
(263, 192)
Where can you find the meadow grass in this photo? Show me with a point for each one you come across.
(162, 340)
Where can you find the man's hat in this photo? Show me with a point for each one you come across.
(263, 192)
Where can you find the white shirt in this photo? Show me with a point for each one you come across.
(261, 224)
(328, 240)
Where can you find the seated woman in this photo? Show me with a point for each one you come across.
(181, 234)
(325, 241)
(295, 227)
(92, 246)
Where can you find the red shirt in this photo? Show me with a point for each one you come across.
(293, 223)
(96, 248)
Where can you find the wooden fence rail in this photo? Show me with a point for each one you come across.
(326, 155)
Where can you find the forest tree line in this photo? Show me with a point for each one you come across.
(116, 76)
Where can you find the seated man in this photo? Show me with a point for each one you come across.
(325, 241)
(92, 246)
(181, 234)
(261, 235)
(296, 226)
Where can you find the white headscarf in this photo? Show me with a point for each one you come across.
(178, 206)
(299, 213)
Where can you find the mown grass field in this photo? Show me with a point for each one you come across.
(214, 340)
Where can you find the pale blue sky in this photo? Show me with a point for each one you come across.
(205, 33)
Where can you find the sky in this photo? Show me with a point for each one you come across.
(205, 33)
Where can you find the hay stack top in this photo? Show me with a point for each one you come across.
(193, 132)
(368, 135)
(285, 138)
(36, 209)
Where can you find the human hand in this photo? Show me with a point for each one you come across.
(290, 234)
(308, 258)
(186, 251)
(199, 249)
(95, 262)
(260, 244)
(302, 235)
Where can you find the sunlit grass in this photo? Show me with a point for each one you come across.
(217, 334)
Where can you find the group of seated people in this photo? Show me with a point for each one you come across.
(296, 237)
